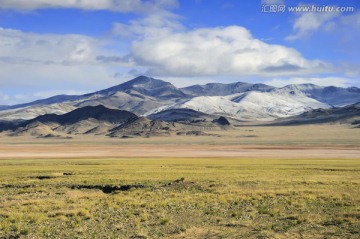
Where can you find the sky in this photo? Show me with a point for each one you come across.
(51, 47)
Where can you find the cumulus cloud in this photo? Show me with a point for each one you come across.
(160, 24)
(230, 51)
(112, 5)
(29, 48)
(308, 22)
(31, 62)
(163, 45)
(321, 81)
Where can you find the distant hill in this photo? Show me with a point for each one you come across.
(4, 107)
(99, 113)
(99, 120)
(145, 127)
(90, 119)
(181, 115)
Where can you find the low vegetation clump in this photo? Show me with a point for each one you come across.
(180, 198)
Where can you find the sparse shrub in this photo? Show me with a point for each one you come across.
(164, 221)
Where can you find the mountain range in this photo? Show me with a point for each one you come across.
(153, 102)
(99, 120)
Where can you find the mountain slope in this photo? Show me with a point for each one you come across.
(99, 120)
(249, 106)
(335, 96)
(4, 107)
(144, 127)
(145, 86)
(138, 95)
(99, 113)
(30, 112)
(349, 114)
(47, 101)
(218, 89)
(96, 119)
(184, 115)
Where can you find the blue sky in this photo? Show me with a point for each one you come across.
(50, 47)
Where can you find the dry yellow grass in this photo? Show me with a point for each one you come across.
(288, 182)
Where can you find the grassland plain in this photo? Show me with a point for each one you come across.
(262, 196)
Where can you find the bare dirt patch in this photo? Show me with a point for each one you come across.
(154, 150)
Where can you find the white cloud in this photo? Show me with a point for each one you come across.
(308, 22)
(112, 5)
(350, 70)
(160, 24)
(163, 45)
(3, 98)
(353, 19)
(230, 51)
(321, 81)
(272, 1)
(329, 21)
(29, 48)
(32, 62)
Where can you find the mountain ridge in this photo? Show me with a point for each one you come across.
(99, 112)
(221, 89)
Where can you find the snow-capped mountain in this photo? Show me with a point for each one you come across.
(138, 96)
(349, 114)
(31, 112)
(335, 96)
(219, 89)
(262, 106)
(146, 96)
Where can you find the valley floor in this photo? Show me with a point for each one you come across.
(250, 182)
(310, 141)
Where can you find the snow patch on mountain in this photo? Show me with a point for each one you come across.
(260, 106)
(332, 95)
(34, 111)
